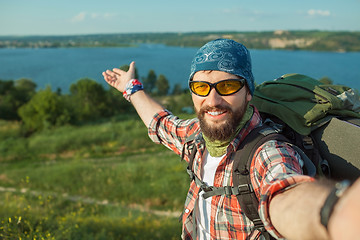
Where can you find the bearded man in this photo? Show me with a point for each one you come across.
(222, 85)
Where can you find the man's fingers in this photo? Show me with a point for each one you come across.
(132, 66)
(132, 69)
(118, 71)
(118, 78)
(107, 75)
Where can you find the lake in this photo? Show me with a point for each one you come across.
(60, 67)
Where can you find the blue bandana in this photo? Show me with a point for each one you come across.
(224, 55)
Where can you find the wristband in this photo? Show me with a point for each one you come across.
(330, 202)
(132, 87)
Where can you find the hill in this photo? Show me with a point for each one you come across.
(89, 182)
(289, 40)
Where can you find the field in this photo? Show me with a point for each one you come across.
(89, 182)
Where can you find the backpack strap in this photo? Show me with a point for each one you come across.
(190, 145)
(241, 170)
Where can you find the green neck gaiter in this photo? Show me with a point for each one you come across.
(218, 148)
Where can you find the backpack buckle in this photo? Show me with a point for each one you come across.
(191, 174)
(307, 143)
(228, 191)
(206, 188)
(243, 189)
(258, 224)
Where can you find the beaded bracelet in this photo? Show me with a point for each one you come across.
(132, 87)
(331, 200)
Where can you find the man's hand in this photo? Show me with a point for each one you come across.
(345, 220)
(118, 78)
(295, 213)
(144, 105)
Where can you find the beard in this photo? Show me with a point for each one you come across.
(224, 130)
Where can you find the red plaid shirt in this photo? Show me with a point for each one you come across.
(275, 168)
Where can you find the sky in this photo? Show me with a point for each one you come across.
(73, 17)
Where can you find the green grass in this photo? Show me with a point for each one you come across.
(46, 217)
(157, 180)
(98, 181)
(102, 139)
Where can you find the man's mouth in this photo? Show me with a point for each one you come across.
(215, 113)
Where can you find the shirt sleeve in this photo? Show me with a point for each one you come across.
(277, 167)
(169, 130)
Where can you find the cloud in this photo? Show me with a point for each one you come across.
(79, 17)
(322, 13)
(108, 15)
(94, 15)
(82, 16)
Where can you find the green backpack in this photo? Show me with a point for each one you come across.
(316, 117)
(321, 122)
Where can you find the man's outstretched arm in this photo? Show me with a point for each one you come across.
(295, 213)
(145, 106)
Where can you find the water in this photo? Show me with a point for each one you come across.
(61, 67)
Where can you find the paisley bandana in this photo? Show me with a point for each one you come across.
(224, 55)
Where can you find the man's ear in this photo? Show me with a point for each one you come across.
(248, 96)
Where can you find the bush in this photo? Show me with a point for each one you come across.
(45, 110)
(13, 95)
(88, 100)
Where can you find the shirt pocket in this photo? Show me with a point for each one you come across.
(230, 215)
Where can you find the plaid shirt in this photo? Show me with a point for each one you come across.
(275, 167)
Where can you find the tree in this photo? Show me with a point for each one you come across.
(25, 90)
(26, 85)
(180, 103)
(88, 99)
(6, 86)
(7, 100)
(13, 95)
(326, 80)
(150, 81)
(177, 89)
(117, 103)
(45, 110)
(162, 85)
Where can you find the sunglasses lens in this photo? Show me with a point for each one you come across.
(229, 87)
(200, 88)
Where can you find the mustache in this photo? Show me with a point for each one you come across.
(205, 109)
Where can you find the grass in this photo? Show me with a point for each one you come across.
(45, 217)
(89, 182)
(152, 179)
(103, 139)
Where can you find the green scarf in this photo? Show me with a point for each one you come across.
(218, 148)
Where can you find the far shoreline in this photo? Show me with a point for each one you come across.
(311, 40)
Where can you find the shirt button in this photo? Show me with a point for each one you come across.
(187, 210)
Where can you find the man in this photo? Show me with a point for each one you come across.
(222, 84)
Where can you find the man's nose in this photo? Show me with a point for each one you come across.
(213, 99)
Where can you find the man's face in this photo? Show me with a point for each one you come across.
(219, 116)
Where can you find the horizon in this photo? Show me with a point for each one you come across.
(168, 32)
(67, 18)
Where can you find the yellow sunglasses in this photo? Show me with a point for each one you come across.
(223, 87)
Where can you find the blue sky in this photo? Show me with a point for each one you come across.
(65, 17)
